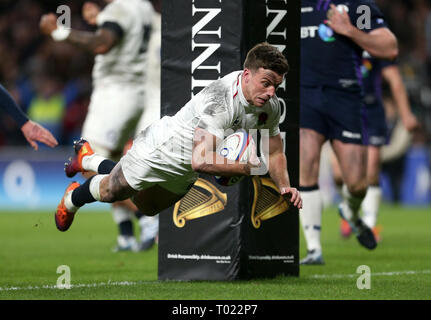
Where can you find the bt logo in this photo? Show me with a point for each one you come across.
(325, 32)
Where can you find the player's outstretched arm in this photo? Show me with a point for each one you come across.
(393, 76)
(34, 132)
(99, 42)
(380, 43)
(277, 168)
(8, 104)
(206, 160)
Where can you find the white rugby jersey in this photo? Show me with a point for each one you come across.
(167, 144)
(126, 61)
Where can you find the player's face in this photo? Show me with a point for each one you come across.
(260, 85)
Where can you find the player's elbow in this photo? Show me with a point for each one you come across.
(393, 53)
(392, 49)
(387, 53)
(385, 44)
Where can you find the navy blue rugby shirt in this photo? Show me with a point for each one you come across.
(330, 59)
(371, 71)
(9, 105)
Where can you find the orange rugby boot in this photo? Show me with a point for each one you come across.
(64, 217)
(377, 233)
(345, 229)
(74, 164)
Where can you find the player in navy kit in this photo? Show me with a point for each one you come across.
(333, 36)
(374, 71)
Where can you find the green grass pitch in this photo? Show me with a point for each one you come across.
(31, 250)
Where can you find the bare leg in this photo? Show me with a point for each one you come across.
(103, 188)
(345, 228)
(373, 166)
(114, 187)
(353, 164)
(336, 171)
(311, 143)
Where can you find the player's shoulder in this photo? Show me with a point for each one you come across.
(215, 94)
(221, 88)
(231, 78)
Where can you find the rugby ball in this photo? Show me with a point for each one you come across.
(237, 146)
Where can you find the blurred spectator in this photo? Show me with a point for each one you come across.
(48, 104)
(40, 73)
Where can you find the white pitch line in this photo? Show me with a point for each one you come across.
(134, 283)
(73, 286)
(389, 274)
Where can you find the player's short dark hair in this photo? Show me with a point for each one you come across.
(264, 55)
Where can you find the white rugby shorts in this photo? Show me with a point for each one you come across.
(113, 114)
(147, 164)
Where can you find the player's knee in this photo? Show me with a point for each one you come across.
(106, 195)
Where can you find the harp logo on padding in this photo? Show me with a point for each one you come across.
(202, 200)
(267, 201)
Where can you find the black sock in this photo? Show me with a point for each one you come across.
(106, 166)
(126, 228)
(309, 188)
(82, 194)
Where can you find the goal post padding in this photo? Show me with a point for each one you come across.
(244, 231)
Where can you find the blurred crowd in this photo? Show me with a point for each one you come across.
(52, 80)
(410, 20)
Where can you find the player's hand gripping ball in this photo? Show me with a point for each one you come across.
(237, 146)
